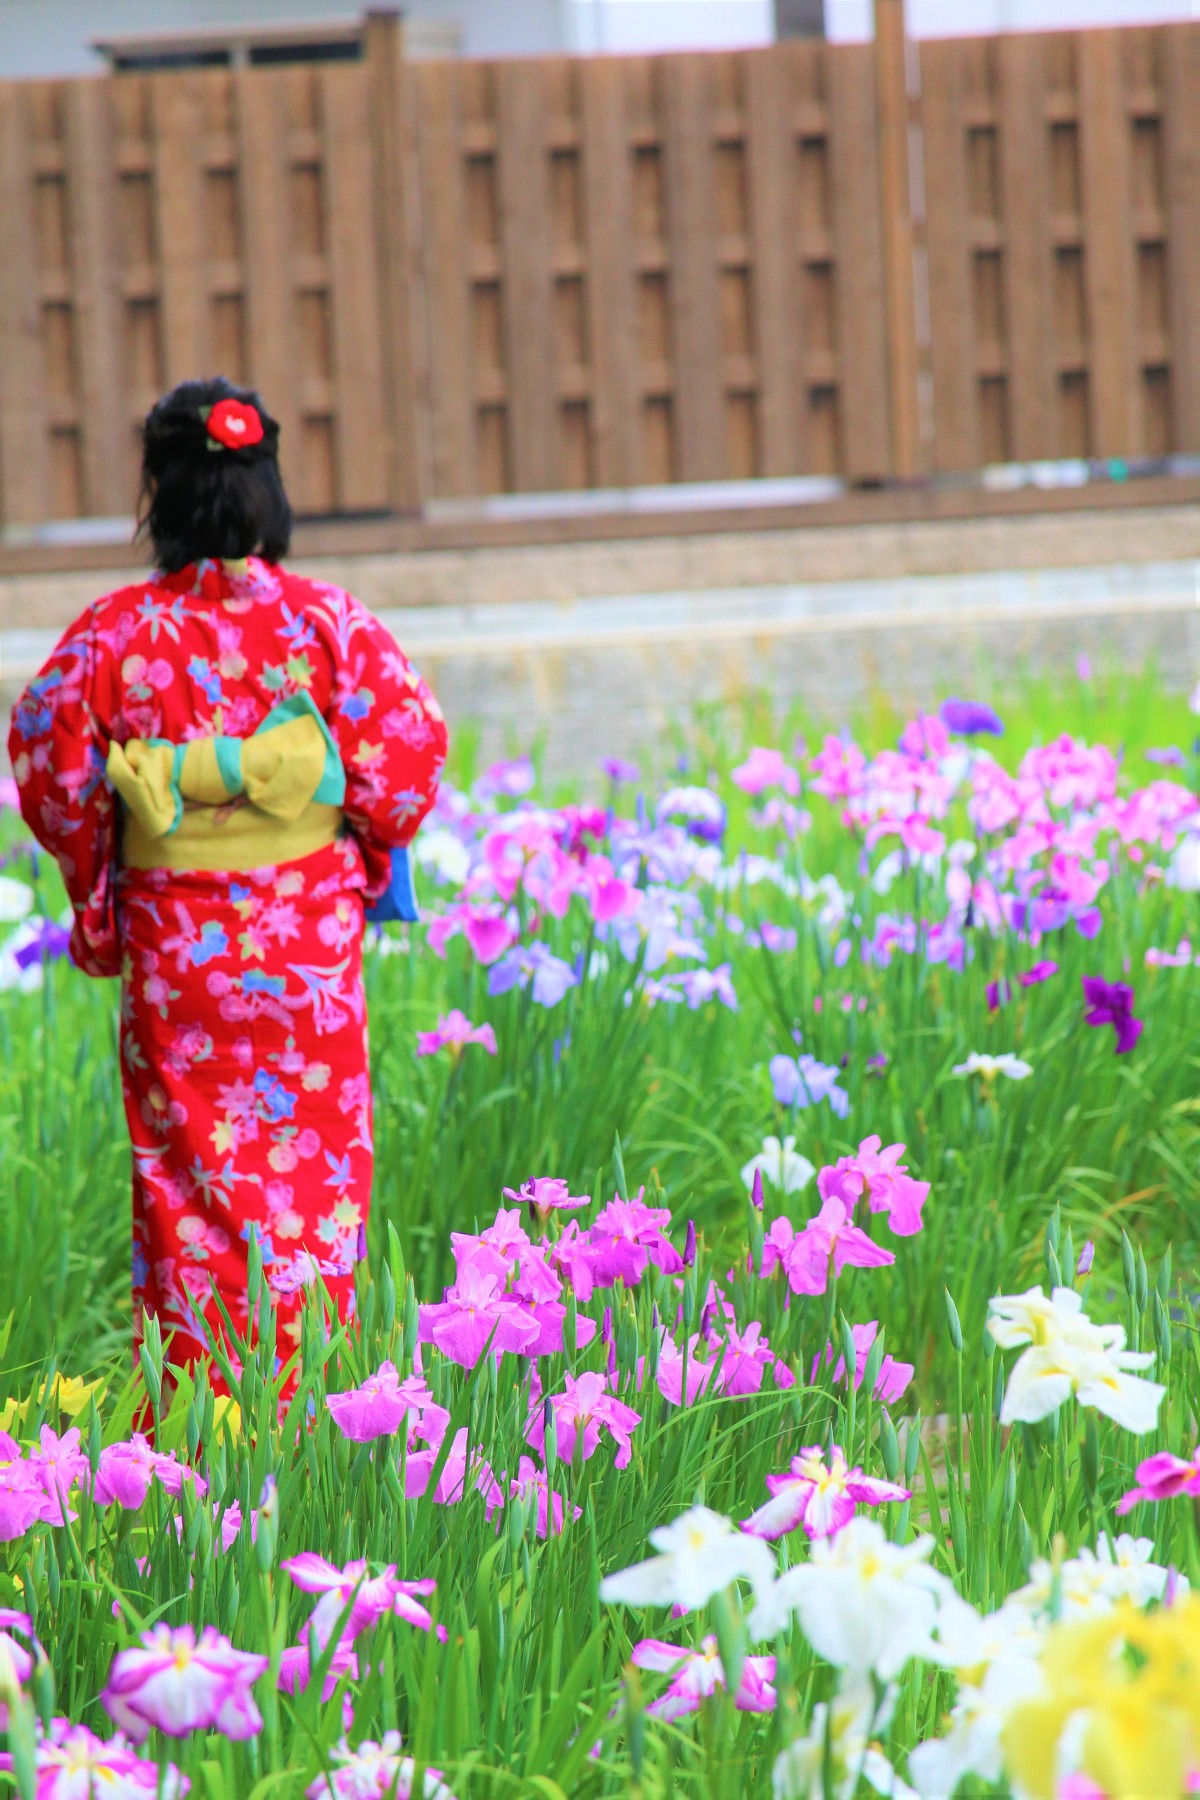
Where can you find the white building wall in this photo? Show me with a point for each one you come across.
(53, 37)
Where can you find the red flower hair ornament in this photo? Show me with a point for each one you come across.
(231, 425)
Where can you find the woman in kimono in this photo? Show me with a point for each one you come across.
(227, 761)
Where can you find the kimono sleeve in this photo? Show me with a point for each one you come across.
(58, 744)
(392, 737)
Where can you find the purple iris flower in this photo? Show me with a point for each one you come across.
(802, 1081)
(618, 770)
(532, 963)
(1170, 758)
(52, 942)
(970, 718)
(1111, 1003)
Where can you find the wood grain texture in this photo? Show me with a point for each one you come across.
(108, 486)
(1027, 267)
(953, 349)
(778, 322)
(24, 461)
(526, 277)
(891, 97)
(861, 356)
(692, 252)
(270, 286)
(1114, 376)
(1181, 119)
(178, 119)
(444, 279)
(609, 277)
(361, 456)
(388, 98)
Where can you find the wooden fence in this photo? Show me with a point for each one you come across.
(459, 278)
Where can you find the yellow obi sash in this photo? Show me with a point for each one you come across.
(232, 803)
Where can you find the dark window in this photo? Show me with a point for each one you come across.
(328, 50)
(134, 61)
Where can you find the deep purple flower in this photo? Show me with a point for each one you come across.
(1111, 1003)
(970, 718)
(52, 942)
(999, 993)
(618, 770)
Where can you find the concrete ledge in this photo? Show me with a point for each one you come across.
(629, 567)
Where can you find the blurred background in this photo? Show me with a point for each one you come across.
(630, 354)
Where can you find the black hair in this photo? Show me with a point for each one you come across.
(199, 501)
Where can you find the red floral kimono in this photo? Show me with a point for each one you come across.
(243, 1025)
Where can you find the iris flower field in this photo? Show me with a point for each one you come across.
(776, 1370)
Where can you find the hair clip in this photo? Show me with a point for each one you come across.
(232, 425)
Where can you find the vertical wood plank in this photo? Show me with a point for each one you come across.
(955, 397)
(388, 96)
(858, 243)
(1028, 269)
(778, 326)
(692, 250)
(526, 279)
(891, 92)
(1180, 65)
(1108, 258)
(608, 231)
(270, 295)
(448, 323)
(24, 458)
(95, 277)
(179, 218)
(360, 451)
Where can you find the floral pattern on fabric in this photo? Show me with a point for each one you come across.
(243, 1021)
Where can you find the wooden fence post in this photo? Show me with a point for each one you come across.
(891, 99)
(387, 98)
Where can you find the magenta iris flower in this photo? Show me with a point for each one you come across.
(580, 1414)
(372, 1595)
(178, 1683)
(127, 1469)
(72, 1762)
(1111, 1003)
(1162, 1477)
(454, 1032)
(379, 1407)
(697, 1674)
(547, 1194)
(820, 1495)
(970, 718)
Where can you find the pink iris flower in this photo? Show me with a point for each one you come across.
(763, 769)
(70, 1762)
(530, 1480)
(1162, 1477)
(587, 1407)
(576, 1256)
(451, 1484)
(454, 1032)
(822, 1496)
(670, 1372)
(828, 1242)
(474, 1313)
(127, 1469)
(893, 1377)
(626, 1237)
(178, 1683)
(547, 1194)
(697, 1674)
(295, 1669)
(379, 1407)
(890, 1188)
(742, 1359)
(372, 1595)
